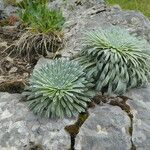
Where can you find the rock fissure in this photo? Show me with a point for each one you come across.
(119, 101)
(73, 129)
(125, 107)
(101, 9)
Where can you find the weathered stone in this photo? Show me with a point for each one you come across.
(135, 22)
(106, 128)
(1, 5)
(140, 94)
(140, 107)
(141, 124)
(42, 62)
(1, 9)
(10, 10)
(19, 127)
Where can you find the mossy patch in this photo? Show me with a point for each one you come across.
(73, 129)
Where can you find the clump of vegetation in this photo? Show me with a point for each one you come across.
(59, 89)
(138, 5)
(115, 59)
(44, 30)
(32, 45)
(40, 19)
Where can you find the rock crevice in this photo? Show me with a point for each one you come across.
(125, 107)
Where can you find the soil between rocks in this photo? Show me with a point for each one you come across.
(14, 71)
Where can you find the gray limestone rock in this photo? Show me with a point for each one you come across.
(1, 5)
(10, 10)
(42, 62)
(133, 21)
(1, 9)
(141, 124)
(20, 128)
(140, 94)
(140, 107)
(107, 128)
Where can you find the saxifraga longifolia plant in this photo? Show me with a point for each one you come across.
(44, 30)
(59, 89)
(117, 60)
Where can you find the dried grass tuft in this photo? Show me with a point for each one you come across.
(31, 45)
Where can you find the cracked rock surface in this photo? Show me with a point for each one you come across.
(110, 127)
(105, 129)
(140, 107)
(141, 125)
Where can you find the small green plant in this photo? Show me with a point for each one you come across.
(39, 18)
(115, 59)
(44, 30)
(59, 89)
